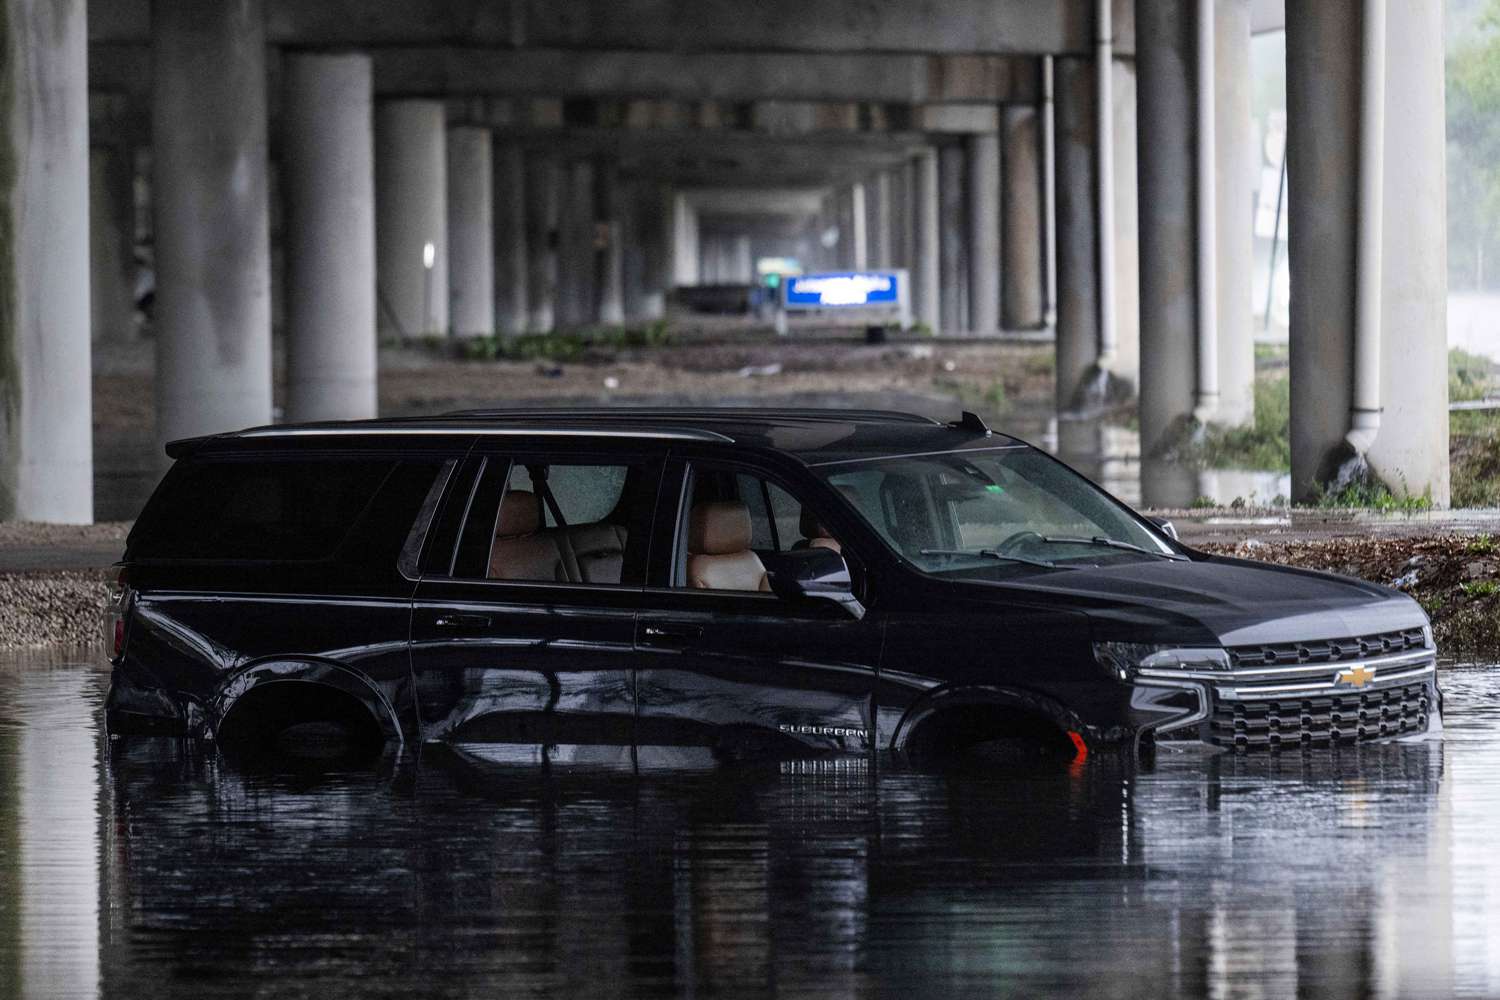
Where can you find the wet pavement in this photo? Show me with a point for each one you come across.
(149, 868)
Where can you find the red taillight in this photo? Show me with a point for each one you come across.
(114, 615)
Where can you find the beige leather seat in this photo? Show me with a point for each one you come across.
(522, 550)
(719, 554)
(598, 551)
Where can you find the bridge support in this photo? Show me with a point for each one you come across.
(471, 233)
(411, 217)
(329, 195)
(46, 451)
(213, 268)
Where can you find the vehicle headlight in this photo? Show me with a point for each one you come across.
(1124, 660)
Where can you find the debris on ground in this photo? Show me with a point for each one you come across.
(1456, 578)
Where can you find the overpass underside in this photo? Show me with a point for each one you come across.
(459, 167)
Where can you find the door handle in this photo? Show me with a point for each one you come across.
(462, 621)
(673, 630)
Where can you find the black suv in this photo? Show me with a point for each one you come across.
(622, 583)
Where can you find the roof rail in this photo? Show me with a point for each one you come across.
(749, 414)
(437, 429)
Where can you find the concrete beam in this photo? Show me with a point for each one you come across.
(965, 26)
(696, 76)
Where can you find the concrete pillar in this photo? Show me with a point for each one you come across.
(1021, 218)
(509, 203)
(328, 190)
(575, 253)
(1234, 211)
(903, 228)
(111, 245)
(926, 256)
(953, 258)
(1127, 255)
(684, 241)
(1410, 452)
(854, 238)
(1164, 68)
(880, 197)
(983, 161)
(411, 217)
(471, 232)
(742, 266)
(213, 269)
(1077, 232)
(642, 238)
(653, 215)
(542, 212)
(46, 457)
(612, 257)
(1323, 86)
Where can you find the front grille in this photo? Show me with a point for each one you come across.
(1327, 650)
(1326, 720)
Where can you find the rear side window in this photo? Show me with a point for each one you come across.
(298, 509)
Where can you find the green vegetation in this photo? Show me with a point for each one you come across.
(566, 345)
(1272, 354)
(1265, 444)
(1375, 496)
(1474, 435)
(1481, 545)
(1473, 112)
(1480, 588)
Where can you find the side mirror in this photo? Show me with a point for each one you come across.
(1167, 527)
(815, 574)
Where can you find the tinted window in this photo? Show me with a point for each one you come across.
(535, 520)
(256, 510)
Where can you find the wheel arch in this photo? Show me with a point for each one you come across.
(330, 675)
(1014, 702)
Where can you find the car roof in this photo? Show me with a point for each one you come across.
(814, 436)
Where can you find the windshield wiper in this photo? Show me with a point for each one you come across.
(988, 554)
(1110, 543)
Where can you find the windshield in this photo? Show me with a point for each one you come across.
(1008, 509)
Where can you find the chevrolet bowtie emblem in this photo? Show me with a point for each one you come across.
(1356, 676)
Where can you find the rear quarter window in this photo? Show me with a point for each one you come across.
(276, 509)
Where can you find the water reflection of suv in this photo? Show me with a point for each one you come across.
(627, 581)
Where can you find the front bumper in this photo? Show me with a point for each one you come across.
(1286, 707)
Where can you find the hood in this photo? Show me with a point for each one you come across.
(1235, 601)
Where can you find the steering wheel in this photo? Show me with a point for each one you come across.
(1019, 540)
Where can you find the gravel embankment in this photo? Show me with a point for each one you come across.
(53, 609)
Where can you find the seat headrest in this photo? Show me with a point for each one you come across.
(718, 528)
(520, 514)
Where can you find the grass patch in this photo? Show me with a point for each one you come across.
(1264, 444)
(1375, 496)
(1480, 588)
(564, 345)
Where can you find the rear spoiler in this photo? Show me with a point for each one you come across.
(183, 447)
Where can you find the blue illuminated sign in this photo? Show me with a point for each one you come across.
(846, 289)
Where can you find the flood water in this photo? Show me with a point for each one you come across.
(148, 868)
